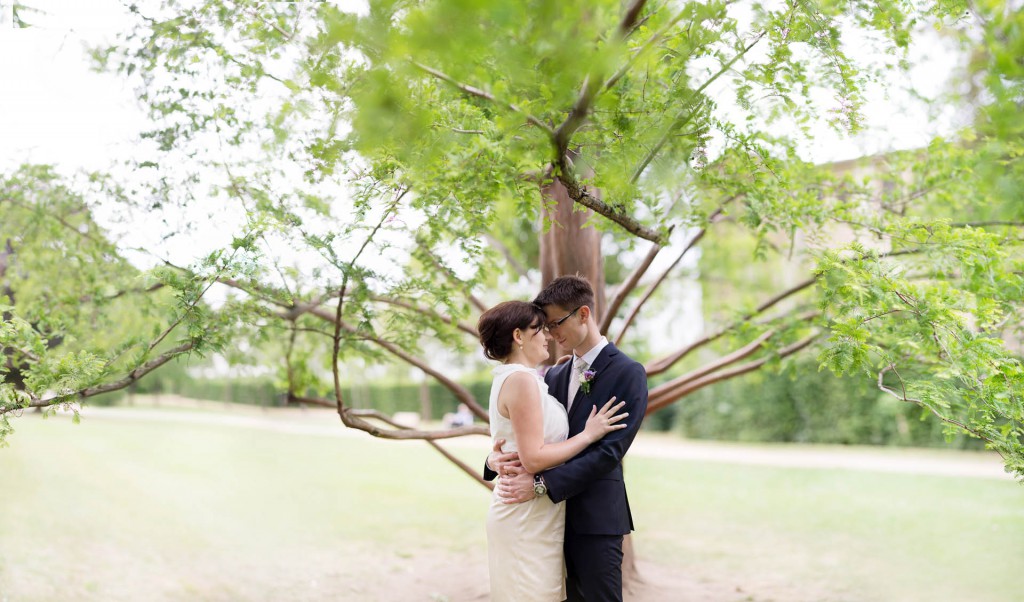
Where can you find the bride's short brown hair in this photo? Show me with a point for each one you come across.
(499, 322)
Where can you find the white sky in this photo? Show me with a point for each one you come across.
(53, 109)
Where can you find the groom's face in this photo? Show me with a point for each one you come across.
(565, 326)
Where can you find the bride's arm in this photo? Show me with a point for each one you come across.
(520, 398)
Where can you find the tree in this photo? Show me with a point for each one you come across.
(78, 319)
(422, 134)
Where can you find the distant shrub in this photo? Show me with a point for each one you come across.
(807, 406)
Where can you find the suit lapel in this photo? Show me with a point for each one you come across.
(561, 382)
(602, 361)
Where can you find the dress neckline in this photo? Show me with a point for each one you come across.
(509, 368)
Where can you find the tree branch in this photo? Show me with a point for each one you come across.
(627, 287)
(463, 326)
(670, 396)
(726, 360)
(288, 36)
(403, 432)
(86, 392)
(578, 194)
(986, 224)
(149, 289)
(660, 365)
(470, 90)
(903, 397)
(654, 39)
(592, 86)
(685, 116)
(294, 310)
(512, 261)
(450, 275)
(712, 219)
(630, 17)
(460, 392)
(399, 431)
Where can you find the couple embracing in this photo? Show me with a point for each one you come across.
(559, 510)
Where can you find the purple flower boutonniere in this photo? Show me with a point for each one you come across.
(586, 378)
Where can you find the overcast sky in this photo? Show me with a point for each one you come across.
(53, 109)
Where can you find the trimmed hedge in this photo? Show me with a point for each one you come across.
(405, 397)
(386, 397)
(802, 405)
(808, 406)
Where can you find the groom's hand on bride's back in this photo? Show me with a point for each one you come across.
(515, 488)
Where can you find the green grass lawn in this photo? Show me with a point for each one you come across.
(162, 510)
(146, 510)
(838, 535)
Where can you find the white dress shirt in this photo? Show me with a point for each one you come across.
(577, 368)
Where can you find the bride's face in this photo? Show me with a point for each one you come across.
(535, 343)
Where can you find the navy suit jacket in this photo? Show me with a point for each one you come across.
(591, 482)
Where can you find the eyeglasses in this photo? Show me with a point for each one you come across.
(553, 325)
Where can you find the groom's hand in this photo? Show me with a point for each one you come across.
(501, 462)
(515, 489)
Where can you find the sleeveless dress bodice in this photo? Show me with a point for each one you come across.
(556, 420)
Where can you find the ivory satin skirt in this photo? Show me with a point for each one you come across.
(524, 545)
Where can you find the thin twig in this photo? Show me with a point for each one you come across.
(482, 94)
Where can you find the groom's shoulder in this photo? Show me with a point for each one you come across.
(622, 360)
(618, 357)
(555, 370)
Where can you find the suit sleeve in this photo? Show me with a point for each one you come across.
(604, 456)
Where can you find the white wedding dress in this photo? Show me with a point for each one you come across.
(524, 541)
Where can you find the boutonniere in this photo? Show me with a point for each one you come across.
(586, 378)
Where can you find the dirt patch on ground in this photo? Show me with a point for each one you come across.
(464, 579)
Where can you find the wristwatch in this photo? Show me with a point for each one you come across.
(539, 488)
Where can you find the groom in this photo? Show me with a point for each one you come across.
(597, 513)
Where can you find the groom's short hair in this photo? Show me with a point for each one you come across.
(569, 292)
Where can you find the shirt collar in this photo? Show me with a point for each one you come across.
(590, 356)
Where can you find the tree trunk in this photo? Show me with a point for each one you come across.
(426, 412)
(567, 248)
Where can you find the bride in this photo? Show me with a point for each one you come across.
(524, 541)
